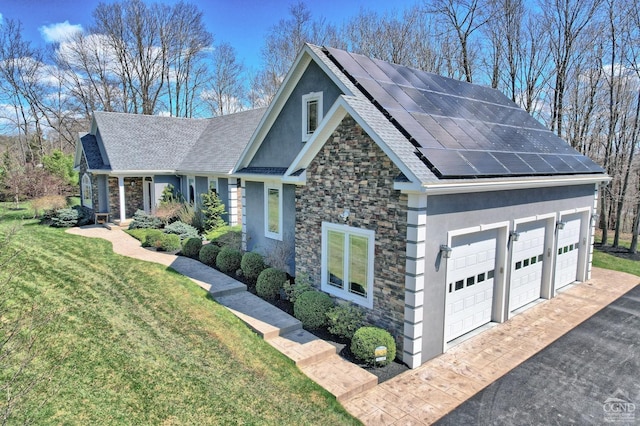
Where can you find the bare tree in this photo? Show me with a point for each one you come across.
(282, 44)
(225, 91)
(463, 18)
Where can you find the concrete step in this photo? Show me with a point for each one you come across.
(302, 347)
(261, 316)
(341, 378)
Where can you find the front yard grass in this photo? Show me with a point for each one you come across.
(132, 342)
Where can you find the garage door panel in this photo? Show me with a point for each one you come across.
(470, 273)
(567, 253)
(526, 265)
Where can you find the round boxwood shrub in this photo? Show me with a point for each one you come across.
(168, 242)
(208, 254)
(150, 237)
(311, 309)
(344, 319)
(270, 282)
(252, 265)
(228, 260)
(191, 247)
(367, 339)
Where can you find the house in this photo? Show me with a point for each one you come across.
(126, 160)
(438, 206)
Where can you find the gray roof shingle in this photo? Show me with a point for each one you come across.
(221, 143)
(92, 152)
(135, 142)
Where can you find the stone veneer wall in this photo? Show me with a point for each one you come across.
(133, 193)
(352, 172)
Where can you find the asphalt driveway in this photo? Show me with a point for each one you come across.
(591, 375)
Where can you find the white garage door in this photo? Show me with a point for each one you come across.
(568, 249)
(527, 255)
(470, 272)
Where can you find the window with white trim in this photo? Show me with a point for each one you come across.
(311, 114)
(213, 184)
(347, 263)
(191, 189)
(87, 196)
(273, 210)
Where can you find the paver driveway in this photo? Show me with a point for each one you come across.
(573, 381)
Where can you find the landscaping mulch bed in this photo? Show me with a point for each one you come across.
(383, 374)
(621, 252)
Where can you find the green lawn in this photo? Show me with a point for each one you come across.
(131, 342)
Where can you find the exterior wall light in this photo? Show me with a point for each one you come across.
(514, 236)
(445, 251)
(560, 225)
(595, 218)
(345, 214)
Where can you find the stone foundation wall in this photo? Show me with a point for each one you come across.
(133, 193)
(352, 172)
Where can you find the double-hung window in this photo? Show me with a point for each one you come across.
(347, 263)
(273, 210)
(311, 114)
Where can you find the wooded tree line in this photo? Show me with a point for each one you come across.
(573, 64)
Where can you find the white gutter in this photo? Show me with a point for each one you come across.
(458, 187)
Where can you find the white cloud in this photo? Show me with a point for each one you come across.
(56, 33)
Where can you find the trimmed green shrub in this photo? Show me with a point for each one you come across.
(293, 291)
(270, 282)
(74, 216)
(151, 237)
(228, 260)
(181, 229)
(212, 210)
(64, 218)
(311, 309)
(142, 220)
(208, 254)
(168, 242)
(252, 265)
(230, 236)
(344, 319)
(191, 247)
(367, 339)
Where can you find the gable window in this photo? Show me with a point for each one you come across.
(311, 114)
(87, 196)
(347, 263)
(273, 210)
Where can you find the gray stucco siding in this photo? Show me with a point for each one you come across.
(255, 234)
(223, 194)
(446, 213)
(284, 140)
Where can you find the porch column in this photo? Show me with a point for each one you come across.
(414, 280)
(123, 209)
(233, 201)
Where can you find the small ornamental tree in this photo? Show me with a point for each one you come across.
(212, 210)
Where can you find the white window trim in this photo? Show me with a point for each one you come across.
(87, 199)
(213, 179)
(267, 233)
(313, 96)
(367, 302)
(189, 200)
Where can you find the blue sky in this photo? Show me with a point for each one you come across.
(242, 23)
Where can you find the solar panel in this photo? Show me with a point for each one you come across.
(484, 163)
(536, 163)
(433, 127)
(513, 163)
(448, 162)
(464, 130)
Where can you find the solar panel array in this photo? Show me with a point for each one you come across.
(462, 130)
